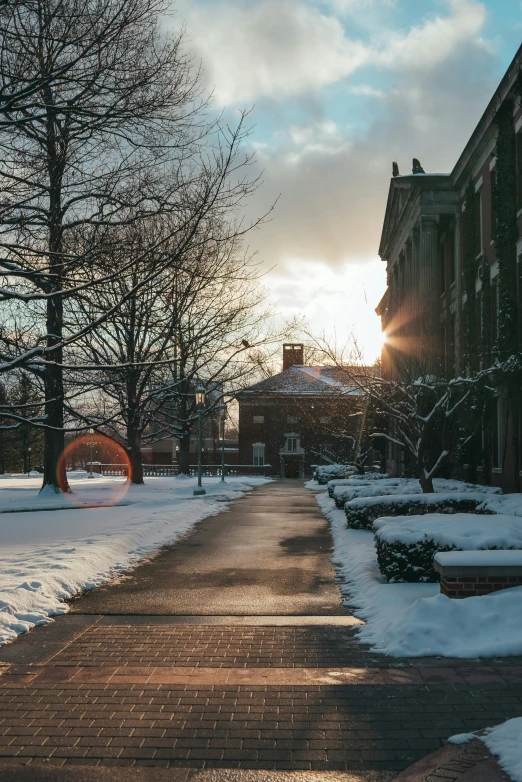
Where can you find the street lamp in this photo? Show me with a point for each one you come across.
(91, 432)
(223, 408)
(29, 460)
(200, 406)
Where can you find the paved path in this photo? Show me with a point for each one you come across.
(229, 657)
(268, 554)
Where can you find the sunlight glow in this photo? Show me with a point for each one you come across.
(336, 301)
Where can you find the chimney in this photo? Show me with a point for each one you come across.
(292, 354)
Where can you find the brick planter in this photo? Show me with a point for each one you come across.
(472, 573)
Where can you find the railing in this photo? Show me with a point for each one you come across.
(165, 470)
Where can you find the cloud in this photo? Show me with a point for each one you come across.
(428, 45)
(422, 88)
(334, 301)
(333, 184)
(270, 49)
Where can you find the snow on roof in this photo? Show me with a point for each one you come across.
(306, 380)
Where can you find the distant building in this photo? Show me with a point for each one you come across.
(453, 252)
(302, 416)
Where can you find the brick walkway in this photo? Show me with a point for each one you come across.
(236, 692)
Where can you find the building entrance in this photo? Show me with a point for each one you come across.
(291, 470)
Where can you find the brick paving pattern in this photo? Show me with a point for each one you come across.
(336, 728)
(134, 692)
(214, 647)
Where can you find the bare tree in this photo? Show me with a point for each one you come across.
(201, 320)
(102, 125)
(424, 415)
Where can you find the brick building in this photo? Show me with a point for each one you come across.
(302, 416)
(453, 252)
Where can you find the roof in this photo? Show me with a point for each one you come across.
(301, 380)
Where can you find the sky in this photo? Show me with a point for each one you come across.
(338, 89)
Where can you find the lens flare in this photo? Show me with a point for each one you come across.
(102, 491)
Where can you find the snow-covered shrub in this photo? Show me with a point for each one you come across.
(363, 511)
(398, 486)
(327, 472)
(359, 480)
(406, 545)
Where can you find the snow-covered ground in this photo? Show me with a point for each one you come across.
(504, 741)
(415, 620)
(48, 554)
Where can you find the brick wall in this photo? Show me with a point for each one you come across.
(470, 586)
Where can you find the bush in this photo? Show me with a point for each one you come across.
(406, 546)
(328, 472)
(400, 562)
(344, 491)
(363, 511)
(355, 481)
(351, 490)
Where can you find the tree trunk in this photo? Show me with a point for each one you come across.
(184, 455)
(134, 451)
(426, 483)
(54, 476)
(134, 433)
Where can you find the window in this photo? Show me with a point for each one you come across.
(291, 419)
(519, 169)
(259, 455)
(442, 264)
(478, 223)
(493, 212)
(291, 444)
(259, 419)
(494, 312)
(520, 295)
(497, 435)
(451, 255)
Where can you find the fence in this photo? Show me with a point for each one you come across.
(164, 470)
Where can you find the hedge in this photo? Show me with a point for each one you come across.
(406, 546)
(363, 511)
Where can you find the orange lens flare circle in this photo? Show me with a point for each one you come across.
(104, 490)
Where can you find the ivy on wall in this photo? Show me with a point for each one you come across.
(506, 230)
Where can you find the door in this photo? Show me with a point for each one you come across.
(291, 470)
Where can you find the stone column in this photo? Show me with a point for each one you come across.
(415, 299)
(429, 292)
(458, 295)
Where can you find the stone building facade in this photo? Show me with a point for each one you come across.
(452, 244)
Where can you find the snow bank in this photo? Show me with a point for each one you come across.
(415, 620)
(46, 557)
(504, 741)
(466, 531)
(487, 626)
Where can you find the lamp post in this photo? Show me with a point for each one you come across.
(223, 421)
(200, 406)
(29, 460)
(91, 432)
